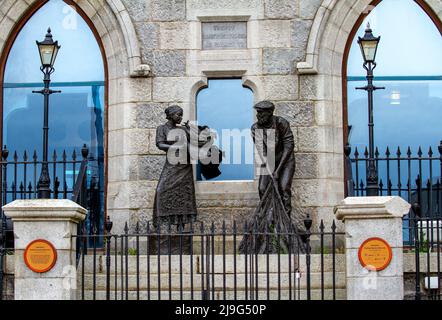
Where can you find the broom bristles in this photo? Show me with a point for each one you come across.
(270, 228)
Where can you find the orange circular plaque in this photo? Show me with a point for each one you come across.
(375, 254)
(40, 256)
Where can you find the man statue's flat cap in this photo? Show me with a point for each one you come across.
(264, 105)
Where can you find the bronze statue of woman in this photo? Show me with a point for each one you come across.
(175, 202)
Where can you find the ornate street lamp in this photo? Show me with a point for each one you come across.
(48, 50)
(369, 47)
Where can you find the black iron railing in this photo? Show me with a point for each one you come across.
(414, 177)
(417, 179)
(406, 174)
(426, 238)
(207, 263)
(71, 178)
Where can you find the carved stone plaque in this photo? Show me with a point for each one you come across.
(224, 35)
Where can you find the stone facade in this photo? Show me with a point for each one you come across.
(153, 54)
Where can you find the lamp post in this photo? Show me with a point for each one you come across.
(369, 47)
(48, 50)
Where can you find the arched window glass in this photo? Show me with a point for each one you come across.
(76, 116)
(226, 106)
(408, 112)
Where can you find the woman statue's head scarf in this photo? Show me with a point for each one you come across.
(172, 110)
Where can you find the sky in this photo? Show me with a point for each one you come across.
(78, 47)
(410, 42)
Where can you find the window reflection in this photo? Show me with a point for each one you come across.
(76, 117)
(406, 113)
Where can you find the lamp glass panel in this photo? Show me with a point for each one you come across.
(54, 56)
(46, 54)
(369, 50)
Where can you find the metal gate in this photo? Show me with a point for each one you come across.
(208, 263)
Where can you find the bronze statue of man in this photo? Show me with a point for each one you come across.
(275, 159)
(270, 127)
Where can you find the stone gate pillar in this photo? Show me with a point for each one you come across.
(373, 246)
(48, 269)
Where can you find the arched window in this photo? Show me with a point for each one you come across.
(408, 112)
(226, 106)
(76, 116)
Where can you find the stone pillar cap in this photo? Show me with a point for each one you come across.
(45, 209)
(371, 208)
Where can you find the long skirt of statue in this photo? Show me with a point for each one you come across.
(174, 211)
(175, 202)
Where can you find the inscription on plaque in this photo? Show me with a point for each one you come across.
(375, 254)
(224, 35)
(40, 256)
